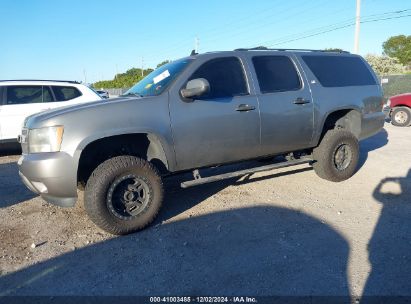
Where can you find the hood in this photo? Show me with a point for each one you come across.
(49, 114)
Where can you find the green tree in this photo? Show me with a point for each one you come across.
(384, 65)
(163, 63)
(123, 80)
(337, 50)
(399, 47)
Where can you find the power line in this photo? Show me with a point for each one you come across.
(338, 28)
(341, 24)
(300, 10)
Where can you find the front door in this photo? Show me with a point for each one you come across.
(221, 126)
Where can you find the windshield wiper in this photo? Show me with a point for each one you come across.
(131, 94)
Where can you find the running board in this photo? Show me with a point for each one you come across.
(204, 180)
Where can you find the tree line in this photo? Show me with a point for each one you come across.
(127, 79)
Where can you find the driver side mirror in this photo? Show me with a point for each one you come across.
(195, 88)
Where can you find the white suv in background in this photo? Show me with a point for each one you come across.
(21, 98)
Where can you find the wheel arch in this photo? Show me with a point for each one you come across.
(146, 145)
(343, 118)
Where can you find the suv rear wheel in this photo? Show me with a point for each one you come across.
(401, 116)
(123, 194)
(336, 158)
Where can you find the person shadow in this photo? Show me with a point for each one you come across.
(390, 246)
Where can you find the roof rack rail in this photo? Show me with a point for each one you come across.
(69, 81)
(263, 48)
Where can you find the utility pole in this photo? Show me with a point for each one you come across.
(196, 44)
(85, 75)
(357, 27)
(142, 66)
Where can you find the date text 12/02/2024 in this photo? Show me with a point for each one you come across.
(203, 300)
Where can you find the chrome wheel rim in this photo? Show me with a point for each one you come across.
(401, 117)
(128, 196)
(342, 157)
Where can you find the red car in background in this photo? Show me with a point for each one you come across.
(398, 108)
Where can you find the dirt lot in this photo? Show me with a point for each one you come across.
(283, 232)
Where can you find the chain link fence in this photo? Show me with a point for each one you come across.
(391, 84)
(395, 84)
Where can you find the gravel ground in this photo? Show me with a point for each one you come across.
(284, 232)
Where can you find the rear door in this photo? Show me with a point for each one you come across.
(20, 101)
(286, 104)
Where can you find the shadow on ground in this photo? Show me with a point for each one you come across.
(254, 251)
(12, 190)
(375, 142)
(390, 246)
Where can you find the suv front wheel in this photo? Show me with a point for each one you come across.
(336, 157)
(123, 194)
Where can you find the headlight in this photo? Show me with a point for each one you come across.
(45, 139)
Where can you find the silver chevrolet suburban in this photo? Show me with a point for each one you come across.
(202, 111)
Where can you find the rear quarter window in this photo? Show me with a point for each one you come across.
(65, 93)
(339, 71)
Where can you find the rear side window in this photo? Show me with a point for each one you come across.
(339, 71)
(27, 94)
(225, 75)
(65, 93)
(276, 74)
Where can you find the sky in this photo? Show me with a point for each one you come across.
(92, 40)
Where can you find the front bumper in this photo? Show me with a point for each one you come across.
(51, 175)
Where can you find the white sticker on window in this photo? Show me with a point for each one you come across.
(161, 77)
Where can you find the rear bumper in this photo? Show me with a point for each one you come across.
(387, 112)
(371, 124)
(51, 175)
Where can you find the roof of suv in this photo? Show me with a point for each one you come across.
(265, 50)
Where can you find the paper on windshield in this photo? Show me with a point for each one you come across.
(161, 76)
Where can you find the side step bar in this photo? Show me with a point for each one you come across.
(204, 180)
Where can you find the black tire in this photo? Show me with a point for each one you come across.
(336, 158)
(123, 195)
(401, 116)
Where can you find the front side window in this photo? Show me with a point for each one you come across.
(276, 74)
(64, 93)
(24, 94)
(226, 77)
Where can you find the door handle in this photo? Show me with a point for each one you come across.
(301, 100)
(244, 108)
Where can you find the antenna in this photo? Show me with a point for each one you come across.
(196, 45)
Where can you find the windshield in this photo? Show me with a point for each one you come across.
(158, 80)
